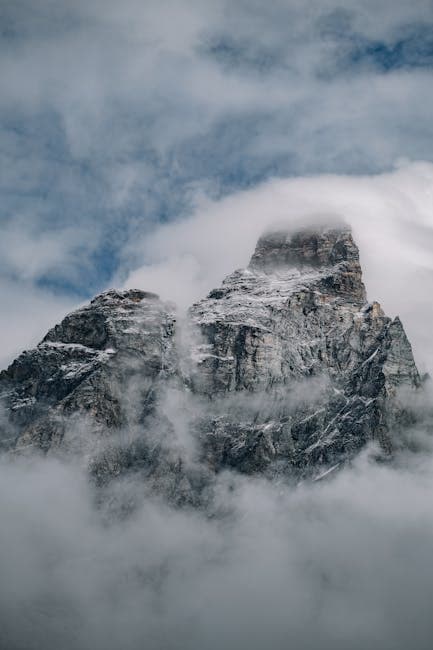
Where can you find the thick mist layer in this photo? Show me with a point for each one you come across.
(342, 563)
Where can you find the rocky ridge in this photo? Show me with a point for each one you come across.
(287, 370)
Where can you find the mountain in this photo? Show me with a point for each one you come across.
(285, 370)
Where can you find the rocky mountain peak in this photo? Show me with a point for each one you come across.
(326, 257)
(285, 369)
(320, 246)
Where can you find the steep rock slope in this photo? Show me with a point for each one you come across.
(287, 369)
(318, 370)
(102, 364)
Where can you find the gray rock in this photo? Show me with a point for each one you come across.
(294, 330)
(287, 371)
(101, 363)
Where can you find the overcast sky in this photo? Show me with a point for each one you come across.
(117, 117)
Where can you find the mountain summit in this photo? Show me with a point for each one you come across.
(320, 246)
(311, 249)
(285, 369)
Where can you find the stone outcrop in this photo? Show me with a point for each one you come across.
(285, 369)
(294, 330)
(102, 362)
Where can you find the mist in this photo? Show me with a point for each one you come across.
(343, 562)
(340, 561)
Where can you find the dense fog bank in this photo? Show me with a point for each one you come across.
(343, 562)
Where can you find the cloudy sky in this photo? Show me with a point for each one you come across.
(119, 119)
(148, 143)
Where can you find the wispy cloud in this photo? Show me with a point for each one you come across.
(111, 114)
(338, 564)
(391, 215)
(114, 118)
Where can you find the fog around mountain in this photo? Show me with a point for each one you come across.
(339, 562)
(148, 145)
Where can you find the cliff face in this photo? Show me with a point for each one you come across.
(295, 330)
(283, 369)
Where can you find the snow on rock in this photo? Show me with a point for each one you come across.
(286, 370)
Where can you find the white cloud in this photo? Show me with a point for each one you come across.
(93, 64)
(111, 113)
(26, 315)
(339, 564)
(116, 114)
(28, 254)
(391, 215)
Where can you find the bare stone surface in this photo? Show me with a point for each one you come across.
(287, 371)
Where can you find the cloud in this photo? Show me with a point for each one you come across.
(184, 259)
(341, 563)
(391, 215)
(111, 118)
(27, 314)
(28, 253)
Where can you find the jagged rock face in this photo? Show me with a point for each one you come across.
(102, 363)
(318, 248)
(295, 329)
(287, 369)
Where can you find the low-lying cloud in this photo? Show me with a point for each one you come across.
(343, 563)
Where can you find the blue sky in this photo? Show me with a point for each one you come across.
(115, 117)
